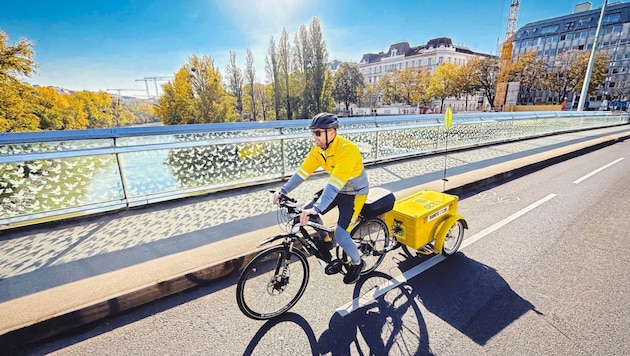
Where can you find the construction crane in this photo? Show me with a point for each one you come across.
(146, 81)
(506, 56)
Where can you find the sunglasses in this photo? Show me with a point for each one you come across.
(318, 132)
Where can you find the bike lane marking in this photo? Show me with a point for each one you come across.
(370, 296)
(578, 181)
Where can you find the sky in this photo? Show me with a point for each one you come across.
(114, 44)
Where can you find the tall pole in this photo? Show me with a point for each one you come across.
(591, 62)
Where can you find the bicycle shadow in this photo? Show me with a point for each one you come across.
(470, 296)
(271, 334)
(391, 324)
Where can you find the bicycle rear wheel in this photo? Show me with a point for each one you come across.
(263, 290)
(372, 239)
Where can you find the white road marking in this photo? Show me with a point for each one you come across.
(597, 171)
(370, 296)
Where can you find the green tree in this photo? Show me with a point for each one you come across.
(348, 83)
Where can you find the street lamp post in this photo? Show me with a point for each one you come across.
(591, 62)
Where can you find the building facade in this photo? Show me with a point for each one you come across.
(430, 55)
(576, 31)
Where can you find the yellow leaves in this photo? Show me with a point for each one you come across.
(195, 95)
(444, 80)
(15, 107)
(15, 59)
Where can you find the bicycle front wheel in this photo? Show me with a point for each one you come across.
(372, 239)
(263, 290)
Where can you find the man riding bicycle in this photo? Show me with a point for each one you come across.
(346, 189)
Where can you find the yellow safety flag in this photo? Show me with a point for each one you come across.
(448, 118)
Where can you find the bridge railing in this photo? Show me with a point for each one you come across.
(58, 174)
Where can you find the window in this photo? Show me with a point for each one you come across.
(569, 26)
(585, 21)
(549, 29)
(612, 18)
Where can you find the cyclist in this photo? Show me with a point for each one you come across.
(346, 189)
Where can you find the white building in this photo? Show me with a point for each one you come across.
(436, 51)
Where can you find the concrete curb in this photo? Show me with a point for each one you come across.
(56, 324)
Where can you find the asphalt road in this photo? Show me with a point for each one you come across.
(542, 271)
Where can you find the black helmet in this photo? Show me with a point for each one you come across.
(324, 120)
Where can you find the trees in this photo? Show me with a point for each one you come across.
(318, 62)
(468, 79)
(531, 72)
(176, 105)
(211, 101)
(487, 72)
(196, 95)
(15, 59)
(598, 75)
(443, 83)
(235, 82)
(250, 78)
(272, 69)
(347, 84)
(16, 97)
(285, 66)
(413, 84)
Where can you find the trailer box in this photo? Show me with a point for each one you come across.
(414, 220)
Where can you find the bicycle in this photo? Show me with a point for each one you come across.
(263, 290)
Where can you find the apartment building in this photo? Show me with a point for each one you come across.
(436, 51)
(576, 31)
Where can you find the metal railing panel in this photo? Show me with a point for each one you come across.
(48, 175)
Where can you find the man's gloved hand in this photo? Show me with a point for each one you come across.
(305, 214)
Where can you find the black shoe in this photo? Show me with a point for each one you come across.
(333, 267)
(354, 272)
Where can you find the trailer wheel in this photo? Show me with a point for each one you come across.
(454, 238)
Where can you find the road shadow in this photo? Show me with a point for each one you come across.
(390, 325)
(470, 296)
(273, 334)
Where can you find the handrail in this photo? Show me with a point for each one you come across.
(56, 174)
